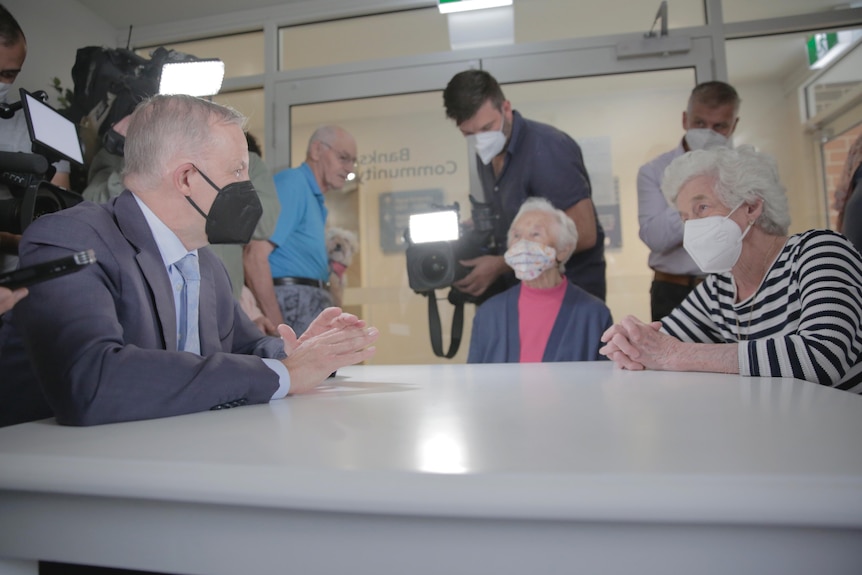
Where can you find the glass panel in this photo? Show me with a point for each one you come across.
(740, 10)
(769, 58)
(389, 35)
(242, 54)
(251, 104)
(408, 150)
(539, 20)
(426, 30)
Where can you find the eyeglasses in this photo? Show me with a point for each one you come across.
(343, 157)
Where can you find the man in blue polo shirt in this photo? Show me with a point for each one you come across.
(296, 253)
(517, 159)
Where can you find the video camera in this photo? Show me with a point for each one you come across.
(110, 83)
(27, 175)
(436, 243)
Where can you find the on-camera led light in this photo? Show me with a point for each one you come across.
(434, 227)
(200, 78)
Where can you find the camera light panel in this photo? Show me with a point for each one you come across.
(197, 78)
(434, 227)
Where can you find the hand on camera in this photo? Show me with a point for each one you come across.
(485, 270)
(8, 298)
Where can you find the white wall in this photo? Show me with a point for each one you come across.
(55, 30)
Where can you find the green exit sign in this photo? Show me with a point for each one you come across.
(819, 45)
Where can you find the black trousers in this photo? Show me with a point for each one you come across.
(665, 296)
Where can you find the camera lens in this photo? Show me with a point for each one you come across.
(430, 266)
(10, 215)
(434, 268)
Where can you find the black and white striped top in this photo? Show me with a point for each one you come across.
(804, 321)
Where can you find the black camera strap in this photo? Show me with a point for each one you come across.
(437, 332)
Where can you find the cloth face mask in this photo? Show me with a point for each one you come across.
(530, 259)
(489, 144)
(714, 242)
(234, 213)
(704, 139)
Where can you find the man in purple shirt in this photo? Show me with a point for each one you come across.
(517, 159)
(709, 121)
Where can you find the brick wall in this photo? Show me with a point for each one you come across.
(834, 156)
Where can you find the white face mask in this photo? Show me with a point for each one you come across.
(530, 259)
(714, 243)
(4, 91)
(704, 139)
(489, 144)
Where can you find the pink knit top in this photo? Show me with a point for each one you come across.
(537, 312)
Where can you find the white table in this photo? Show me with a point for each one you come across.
(544, 468)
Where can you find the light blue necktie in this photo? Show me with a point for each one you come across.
(189, 332)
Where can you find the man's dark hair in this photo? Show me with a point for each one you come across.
(467, 91)
(10, 31)
(253, 146)
(714, 94)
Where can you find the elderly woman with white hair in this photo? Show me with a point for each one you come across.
(772, 305)
(545, 317)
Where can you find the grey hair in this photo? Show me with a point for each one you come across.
(566, 233)
(740, 175)
(325, 134)
(165, 126)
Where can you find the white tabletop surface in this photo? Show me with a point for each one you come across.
(580, 441)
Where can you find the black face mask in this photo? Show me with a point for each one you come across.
(234, 213)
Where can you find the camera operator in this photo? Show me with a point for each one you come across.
(14, 136)
(519, 158)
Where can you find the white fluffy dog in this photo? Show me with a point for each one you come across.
(341, 245)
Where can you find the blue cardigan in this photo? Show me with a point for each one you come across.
(575, 336)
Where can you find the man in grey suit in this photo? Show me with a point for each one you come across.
(108, 344)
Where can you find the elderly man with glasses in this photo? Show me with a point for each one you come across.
(295, 254)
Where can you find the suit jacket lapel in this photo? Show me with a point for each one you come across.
(134, 227)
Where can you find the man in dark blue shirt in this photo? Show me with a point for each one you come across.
(517, 159)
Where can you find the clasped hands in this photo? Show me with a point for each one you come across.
(635, 345)
(333, 340)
